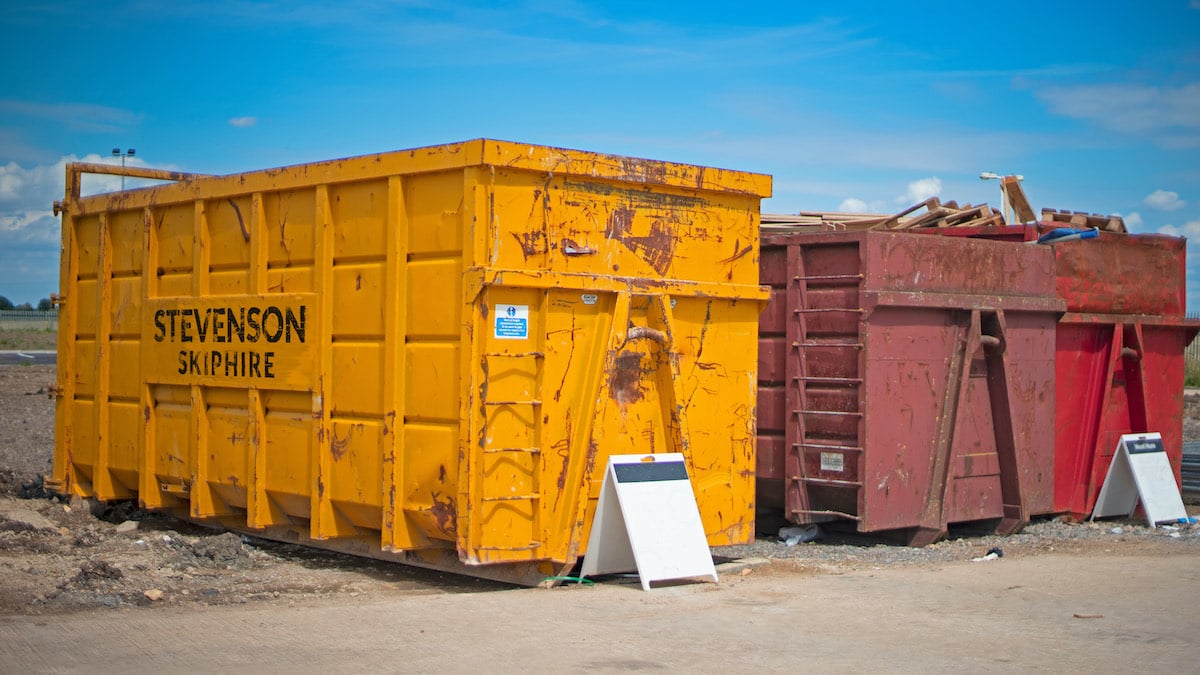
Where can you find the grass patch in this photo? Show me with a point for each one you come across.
(1191, 376)
(26, 338)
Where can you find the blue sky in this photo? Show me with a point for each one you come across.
(849, 105)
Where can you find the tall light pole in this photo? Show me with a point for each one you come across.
(128, 153)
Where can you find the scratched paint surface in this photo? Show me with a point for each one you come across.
(315, 352)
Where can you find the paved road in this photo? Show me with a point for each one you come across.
(15, 358)
(1055, 613)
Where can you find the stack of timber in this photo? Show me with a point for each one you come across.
(929, 213)
(1081, 219)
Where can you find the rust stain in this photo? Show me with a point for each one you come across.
(738, 252)
(567, 369)
(442, 473)
(241, 221)
(532, 243)
(444, 513)
(562, 448)
(625, 380)
(657, 247)
(337, 446)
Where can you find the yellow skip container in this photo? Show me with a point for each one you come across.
(424, 356)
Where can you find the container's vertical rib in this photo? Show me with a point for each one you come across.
(396, 532)
(478, 192)
(102, 483)
(259, 513)
(540, 483)
(203, 500)
(149, 494)
(324, 521)
(63, 474)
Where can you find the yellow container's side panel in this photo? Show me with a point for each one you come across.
(83, 456)
(125, 232)
(290, 280)
(87, 245)
(290, 218)
(229, 282)
(226, 471)
(86, 296)
(357, 379)
(174, 451)
(175, 284)
(434, 204)
(125, 314)
(359, 211)
(433, 382)
(124, 378)
(229, 232)
(430, 477)
(433, 306)
(356, 473)
(84, 370)
(358, 300)
(175, 235)
(125, 441)
(288, 474)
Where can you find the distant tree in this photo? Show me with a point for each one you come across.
(44, 305)
(5, 303)
(24, 306)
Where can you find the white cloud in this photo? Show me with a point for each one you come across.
(1129, 108)
(1194, 4)
(75, 116)
(27, 196)
(920, 190)
(1133, 221)
(1164, 200)
(243, 121)
(30, 232)
(1190, 229)
(853, 205)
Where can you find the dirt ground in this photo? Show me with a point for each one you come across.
(87, 569)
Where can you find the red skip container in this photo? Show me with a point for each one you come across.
(1119, 363)
(905, 382)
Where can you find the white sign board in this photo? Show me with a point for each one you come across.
(647, 520)
(1140, 469)
(512, 322)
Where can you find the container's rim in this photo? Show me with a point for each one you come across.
(480, 152)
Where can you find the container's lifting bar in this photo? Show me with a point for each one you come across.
(75, 171)
(984, 331)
